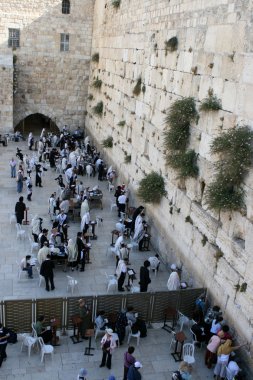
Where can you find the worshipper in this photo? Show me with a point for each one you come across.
(40, 149)
(36, 227)
(107, 344)
(51, 206)
(154, 262)
(233, 368)
(13, 165)
(121, 272)
(133, 371)
(117, 194)
(85, 315)
(29, 188)
(223, 353)
(19, 180)
(120, 325)
(64, 205)
(43, 332)
(122, 199)
(46, 270)
(120, 226)
(199, 331)
(62, 220)
(100, 321)
(38, 176)
(124, 252)
(30, 141)
(185, 371)
(84, 207)
(129, 360)
(25, 265)
(211, 349)
(139, 231)
(85, 222)
(101, 171)
(64, 163)
(174, 280)
(137, 212)
(80, 251)
(69, 174)
(20, 209)
(4, 335)
(216, 325)
(72, 254)
(144, 276)
(43, 238)
(60, 181)
(82, 374)
(225, 332)
(43, 253)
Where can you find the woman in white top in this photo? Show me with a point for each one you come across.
(216, 326)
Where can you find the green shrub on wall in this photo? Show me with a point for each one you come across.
(95, 57)
(171, 45)
(211, 103)
(137, 87)
(98, 108)
(97, 83)
(235, 157)
(108, 142)
(152, 188)
(116, 3)
(181, 113)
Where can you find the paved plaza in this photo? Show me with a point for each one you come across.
(153, 351)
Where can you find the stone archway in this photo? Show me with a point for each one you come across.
(35, 123)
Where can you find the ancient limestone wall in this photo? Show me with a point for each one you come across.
(215, 51)
(49, 81)
(6, 92)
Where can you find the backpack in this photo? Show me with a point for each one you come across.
(176, 376)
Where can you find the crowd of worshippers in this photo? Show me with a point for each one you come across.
(72, 157)
(211, 329)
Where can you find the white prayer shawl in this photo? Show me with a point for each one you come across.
(84, 208)
(138, 230)
(173, 281)
(72, 251)
(85, 220)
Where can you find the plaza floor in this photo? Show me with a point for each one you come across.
(153, 351)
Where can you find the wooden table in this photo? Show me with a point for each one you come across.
(180, 338)
(55, 323)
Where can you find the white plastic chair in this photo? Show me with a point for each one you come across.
(29, 342)
(34, 332)
(110, 187)
(34, 246)
(229, 374)
(21, 234)
(45, 349)
(112, 282)
(72, 284)
(131, 335)
(194, 339)
(115, 337)
(122, 215)
(98, 331)
(113, 205)
(21, 271)
(99, 221)
(41, 278)
(188, 353)
(182, 320)
(13, 219)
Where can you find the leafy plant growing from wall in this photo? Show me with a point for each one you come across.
(90, 97)
(116, 3)
(128, 159)
(98, 109)
(235, 157)
(181, 113)
(97, 83)
(152, 188)
(122, 123)
(171, 45)
(137, 87)
(95, 57)
(211, 103)
(108, 142)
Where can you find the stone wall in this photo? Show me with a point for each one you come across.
(6, 92)
(215, 51)
(50, 82)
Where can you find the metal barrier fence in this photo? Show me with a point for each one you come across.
(19, 314)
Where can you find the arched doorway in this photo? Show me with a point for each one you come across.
(35, 123)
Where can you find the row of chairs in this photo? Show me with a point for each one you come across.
(35, 342)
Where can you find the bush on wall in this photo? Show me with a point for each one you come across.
(98, 108)
(152, 188)
(108, 142)
(211, 103)
(235, 152)
(181, 113)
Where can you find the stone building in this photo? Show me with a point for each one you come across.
(214, 53)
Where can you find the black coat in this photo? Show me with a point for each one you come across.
(46, 269)
(20, 209)
(144, 276)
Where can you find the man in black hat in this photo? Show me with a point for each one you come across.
(44, 238)
(38, 175)
(46, 270)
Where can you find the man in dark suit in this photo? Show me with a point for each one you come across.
(81, 251)
(43, 238)
(144, 276)
(46, 270)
